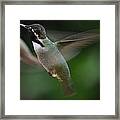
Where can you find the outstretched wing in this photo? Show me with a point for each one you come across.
(70, 46)
(55, 35)
(26, 55)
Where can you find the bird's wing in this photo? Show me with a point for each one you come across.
(70, 46)
(55, 35)
(27, 53)
(26, 56)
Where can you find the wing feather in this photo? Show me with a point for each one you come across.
(71, 45)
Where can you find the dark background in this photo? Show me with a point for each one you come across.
(36, 84)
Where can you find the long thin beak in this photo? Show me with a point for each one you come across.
(25, 26)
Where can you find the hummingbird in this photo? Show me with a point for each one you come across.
(52, 55)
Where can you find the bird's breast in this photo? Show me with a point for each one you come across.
(54, 62)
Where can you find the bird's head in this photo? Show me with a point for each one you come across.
(37, 33)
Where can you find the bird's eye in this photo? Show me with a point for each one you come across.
(37, 31)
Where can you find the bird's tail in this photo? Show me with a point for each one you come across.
(68, 89)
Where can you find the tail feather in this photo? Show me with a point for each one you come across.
(68, 89)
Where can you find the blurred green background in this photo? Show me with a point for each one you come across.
(36, 84)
